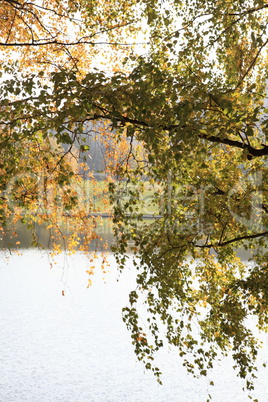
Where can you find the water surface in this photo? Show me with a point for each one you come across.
(75, 348)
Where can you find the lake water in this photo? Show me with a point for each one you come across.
(75, 348)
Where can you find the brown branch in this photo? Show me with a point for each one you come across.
(38, 21)
(225, 243)
(13, 2)
(52, 11)
(250, 11)
(107, 114)
(223, 32)
(105, 30)
(60, 43)
(11, 26)
(237, 144)
(240, 15)
(252, 64)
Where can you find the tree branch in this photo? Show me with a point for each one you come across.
(252, 64)
(237, 144)
(61, 43)
(250, 11)
(225, 243)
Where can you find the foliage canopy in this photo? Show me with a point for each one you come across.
(190, 105)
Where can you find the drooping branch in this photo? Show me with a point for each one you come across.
(237, 144)
(257, 152)
(234, 240)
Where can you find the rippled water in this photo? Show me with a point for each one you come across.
(76, 349)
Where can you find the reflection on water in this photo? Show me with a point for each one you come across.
(24, 236)
(75, 348)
